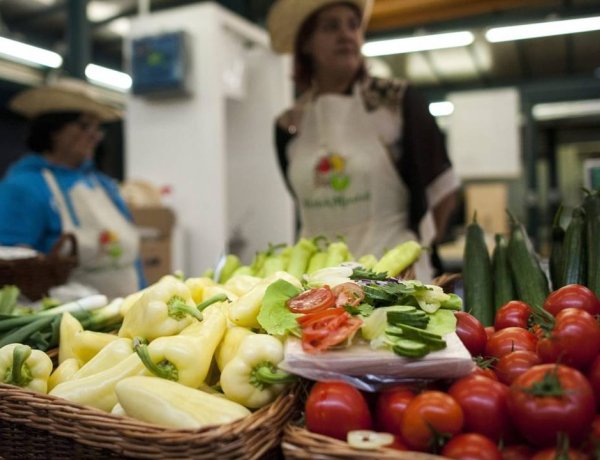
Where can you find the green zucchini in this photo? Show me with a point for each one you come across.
(591, 204)
(477, 275)
(503, 285)
(531, 284)
(556, 251)
(575, 264)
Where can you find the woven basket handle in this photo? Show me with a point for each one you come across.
(68, 241)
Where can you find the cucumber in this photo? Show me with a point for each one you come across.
(591, 204)
(410, 348)
(477, 275)
(503, 286)
(531, 284)
(556, 251)
(575, 264)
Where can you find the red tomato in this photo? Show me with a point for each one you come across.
(471, 332)
(574, 340)
(398, 444)
(489, 331)
(313, 300)
(486, 372)
(348, 294)
(471, 446)
(549, 399)
(513, 314)
(428, 415)
(335, 408)
(508, 340)
(510, 366)
(327, 328)
(484, 405)
(572, 296)
(593, 376)
(517, 452)
(390, 407)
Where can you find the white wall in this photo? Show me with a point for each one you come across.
(193, 144)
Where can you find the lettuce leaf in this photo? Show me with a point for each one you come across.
(274, 316)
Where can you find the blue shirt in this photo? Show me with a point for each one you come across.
(28, 215)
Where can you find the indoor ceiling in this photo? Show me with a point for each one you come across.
(481, 64)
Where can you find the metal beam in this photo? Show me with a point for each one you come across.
(78, 39)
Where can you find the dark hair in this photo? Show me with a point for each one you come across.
(303, 63)
(44, 126)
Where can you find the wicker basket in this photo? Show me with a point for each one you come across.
(300, 444)
(35, 275)
(42, 426)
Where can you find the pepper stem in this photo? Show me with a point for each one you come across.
(164, 369)
(178, 309)
(265, 374)
(19, 373)
(214, 299)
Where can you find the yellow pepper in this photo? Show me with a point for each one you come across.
(241, 284)
(251, 378)
(24, 367)
(399, 258)
(69, 328)
(129, 301)
(244, 311)
(368, 261)
(164, 309)
(109, 356)
(118, 410)
(65, 371)
(230, 344)
(185, 358)
(87, 344)
(173, 405)
(98, 390)
(197, 286)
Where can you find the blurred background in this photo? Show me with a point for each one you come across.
(520, 107)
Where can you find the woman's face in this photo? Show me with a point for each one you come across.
(337, 40)
(76, 142)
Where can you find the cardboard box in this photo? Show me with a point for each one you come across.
(155, 225)
(490, 200)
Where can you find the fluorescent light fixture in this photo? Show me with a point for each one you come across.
(108, 77)
(414, 44)
(29, 54)
(542, 29)
(568, 109)
(441, 109)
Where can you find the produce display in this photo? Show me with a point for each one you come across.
(387, 364)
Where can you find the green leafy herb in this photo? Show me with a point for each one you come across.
(361, 273)
(364, 309)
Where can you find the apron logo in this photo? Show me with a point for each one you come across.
(110, 244)
(330, 171)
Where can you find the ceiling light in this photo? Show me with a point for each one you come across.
(441, 109)
(542, 29)
(29, 54)
(108, 77)
(99, 11)
(414, 44)
(568, 109)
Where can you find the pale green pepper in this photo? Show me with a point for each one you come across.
(230, 344)
(368, 261)
(185, 358)
(164, 309)
(167, 403)
(24, 367)
(337, 252)
(398, 259)
(241, 284)
(232, 263)
(65, 371)
(197, 286)
(244, 311)
(111, 355)
(300, 256)
(69, 328)
(251, 378)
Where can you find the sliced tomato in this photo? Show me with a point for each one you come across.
(315, 299)
(322, 316)
(327, 328)
(348, 294)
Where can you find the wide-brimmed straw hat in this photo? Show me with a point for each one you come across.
(64, 95)
(287, 16)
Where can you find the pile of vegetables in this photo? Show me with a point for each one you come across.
(536, 396)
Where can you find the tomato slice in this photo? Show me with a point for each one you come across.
(315, 299)
(327, 328)
(348, 294)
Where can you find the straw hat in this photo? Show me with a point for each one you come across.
(287, 16)
(65, 95)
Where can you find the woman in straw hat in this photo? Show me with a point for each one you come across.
(362, 156)
(56, 189)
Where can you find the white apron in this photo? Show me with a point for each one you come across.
(345, 182)
(108, 244)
